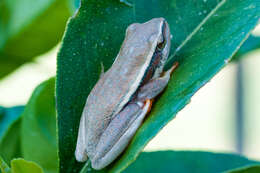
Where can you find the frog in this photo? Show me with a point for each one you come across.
(123, 96)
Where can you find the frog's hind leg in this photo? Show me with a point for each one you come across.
(124, 125)
(119, 132)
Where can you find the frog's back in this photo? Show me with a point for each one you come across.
(120, 82)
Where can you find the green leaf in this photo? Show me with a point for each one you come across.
(7, 117)
(39, 128)
(205, 36)
(183, 161)
(10, 122)
(4, 168)
(247, 169)
(28, 29)
(252, 43)
(23, 166)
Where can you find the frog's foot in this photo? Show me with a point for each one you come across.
(169, 72)
(80, 153)
(119, 133)
(150, 104)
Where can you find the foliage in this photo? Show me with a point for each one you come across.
(9, 138)
(206, 35)
(38, 130)
(28, 29)
(33, 134)
(200, 50)
(20, 166)
(23, 166)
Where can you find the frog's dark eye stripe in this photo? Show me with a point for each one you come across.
(161, 45)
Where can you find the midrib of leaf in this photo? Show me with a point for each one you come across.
(196, 29)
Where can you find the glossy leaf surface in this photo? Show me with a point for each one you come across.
(185, 162)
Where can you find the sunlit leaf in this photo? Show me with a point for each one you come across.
(39, 128)
(28, 29)
(23, 166)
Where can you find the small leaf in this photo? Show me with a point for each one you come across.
(7, 117)
(23, 166)
(28, 29)
(186, 162)
(39, 128)
(10, 121)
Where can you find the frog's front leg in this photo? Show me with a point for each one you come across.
(119, 132)
(124, 125)
(155, 86)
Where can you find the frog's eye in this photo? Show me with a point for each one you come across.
(162, 40)
(162, 43)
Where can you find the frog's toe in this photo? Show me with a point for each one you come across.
(174, 66)
(80, 152)
(81, 157)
